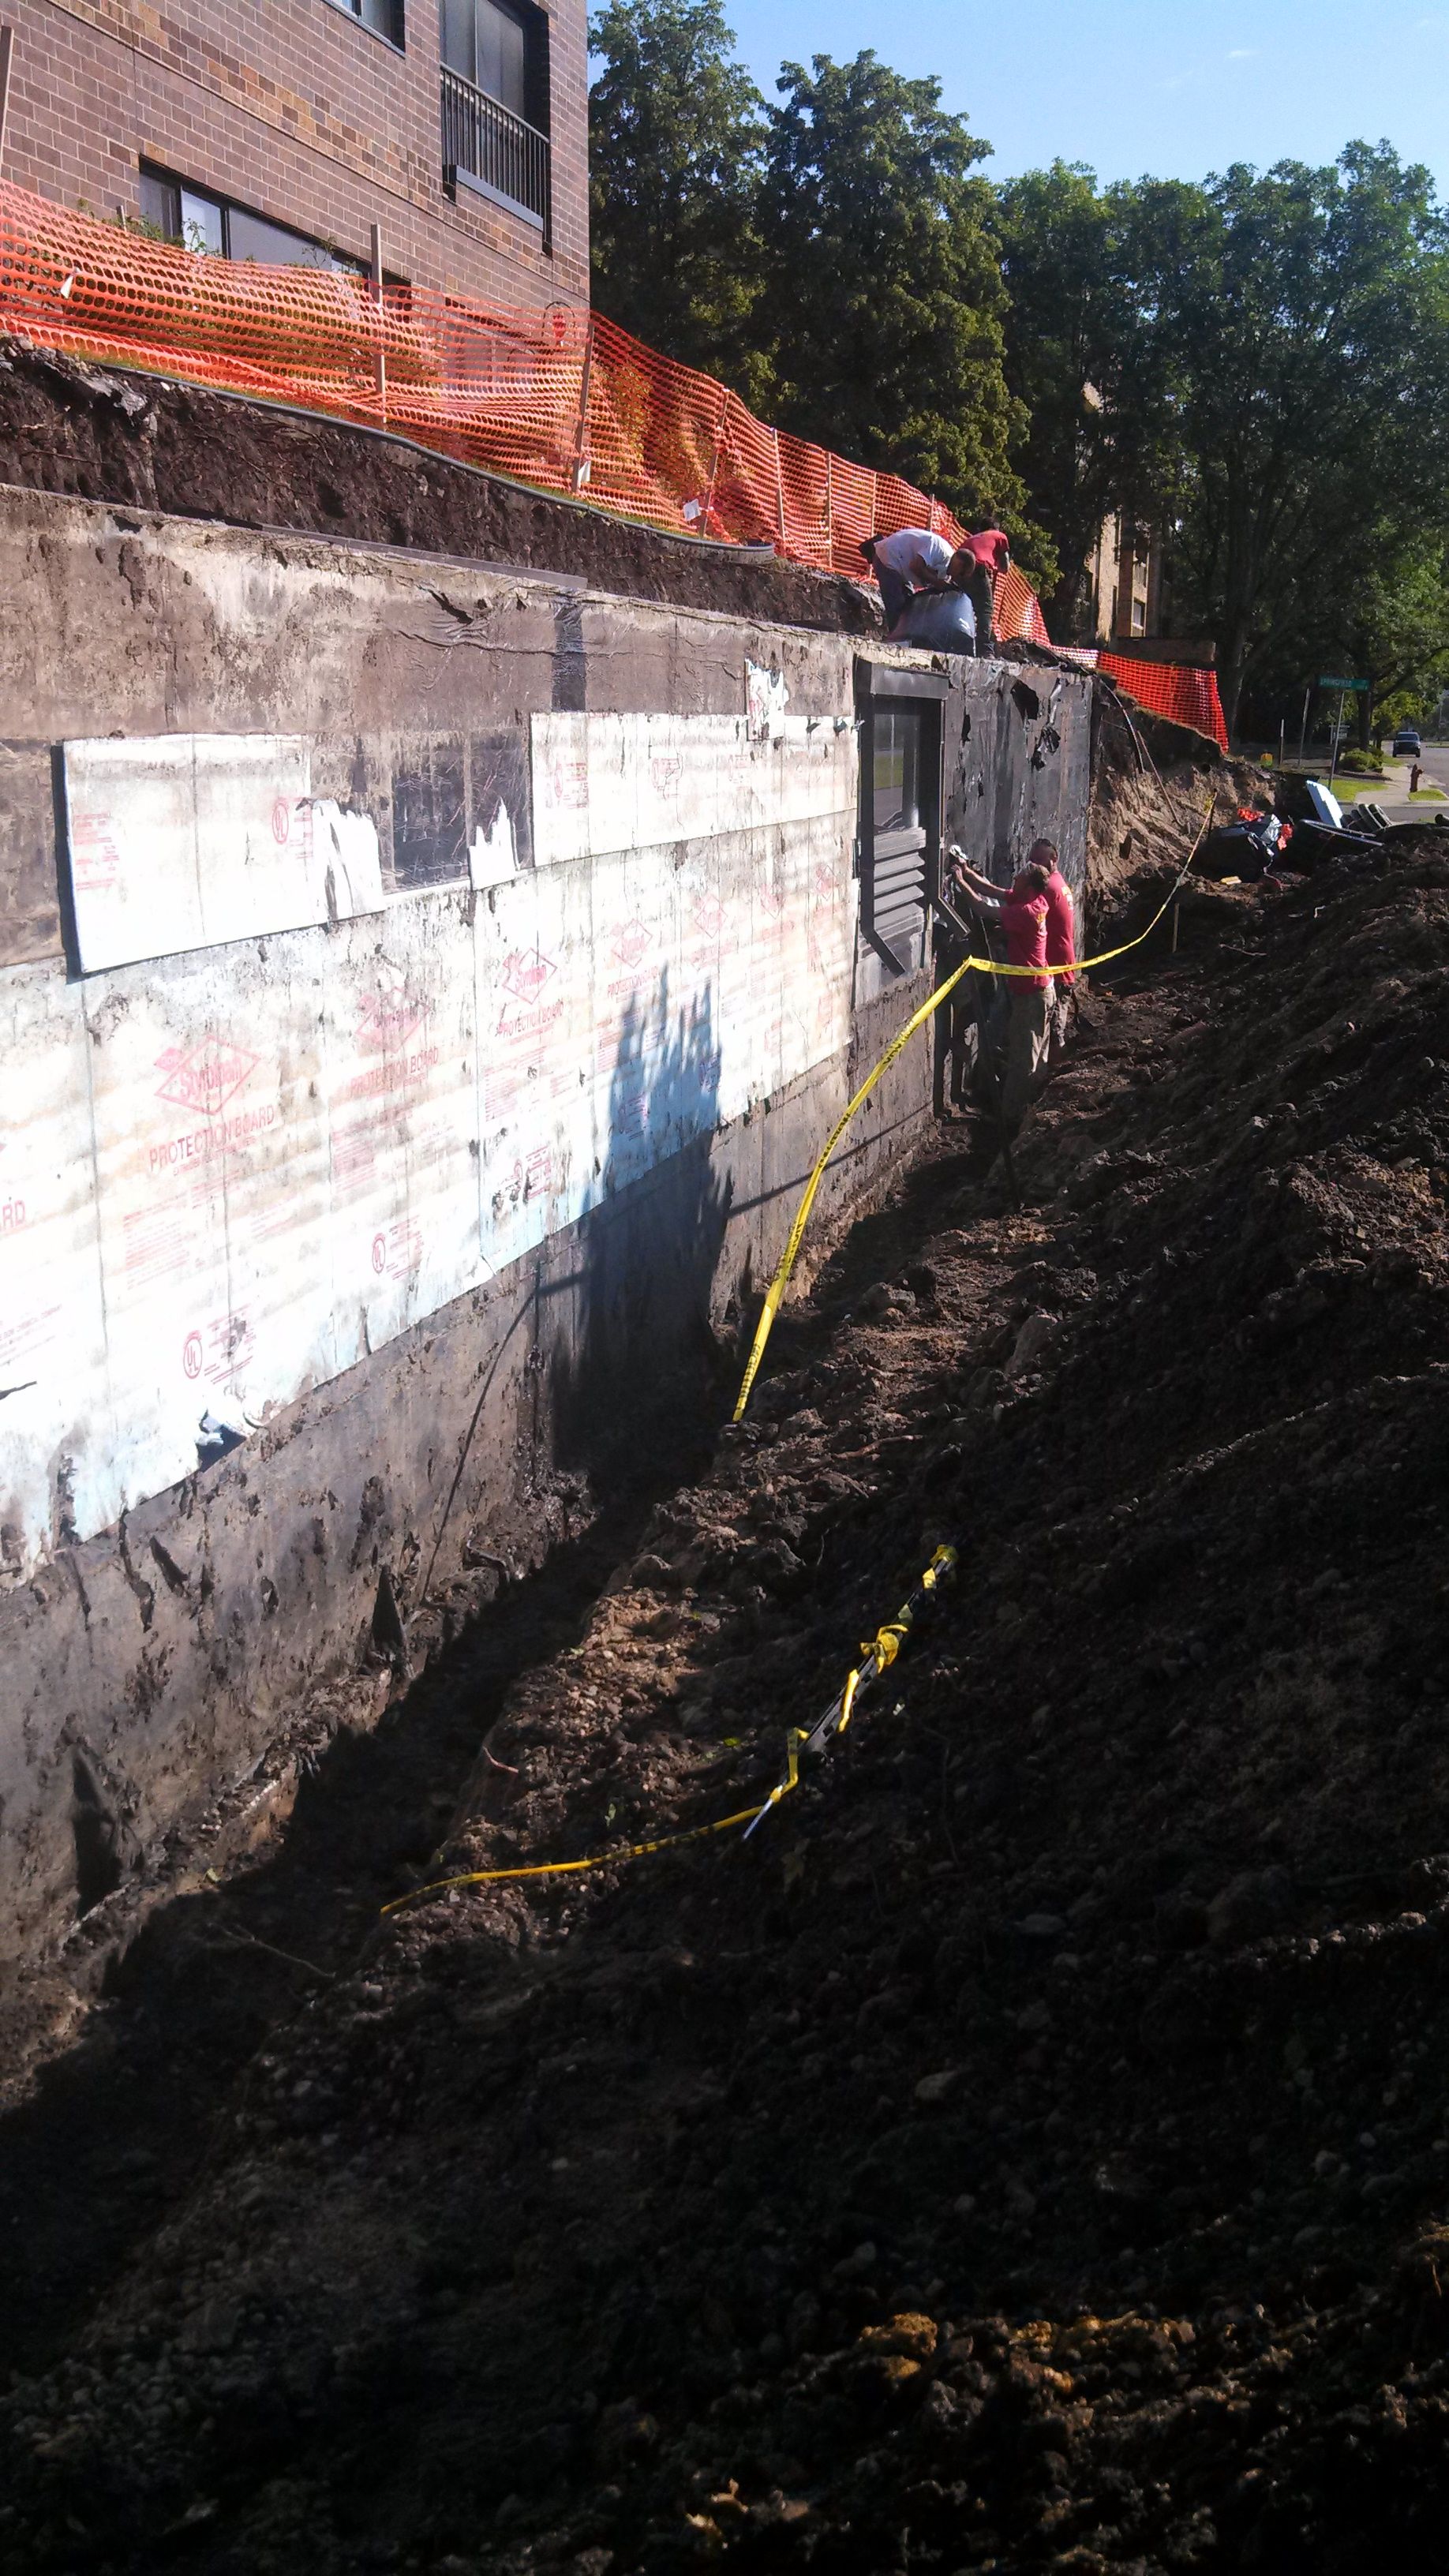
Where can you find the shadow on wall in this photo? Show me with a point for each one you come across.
(652, 1242)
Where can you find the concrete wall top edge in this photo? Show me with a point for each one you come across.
(396, 571)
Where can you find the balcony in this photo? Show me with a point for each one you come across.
(488, 149)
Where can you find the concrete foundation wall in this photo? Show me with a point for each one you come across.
(715, 1019)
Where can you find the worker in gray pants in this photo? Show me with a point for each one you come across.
(1022, 914)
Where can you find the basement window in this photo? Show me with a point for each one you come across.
(384, 17)
(200, 221)
(900, 743)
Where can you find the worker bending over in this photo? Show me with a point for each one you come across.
(908, 560)
(912, 560)
(1022, 914)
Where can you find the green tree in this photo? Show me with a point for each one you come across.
(676, 133)
(1292, 354)
(1389, 623)
(882, 318)
(1068, 337)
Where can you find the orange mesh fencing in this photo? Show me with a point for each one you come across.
(562, 399)
(1178, 690)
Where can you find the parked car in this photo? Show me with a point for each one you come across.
(1407, 740)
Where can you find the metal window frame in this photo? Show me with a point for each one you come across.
(875, 681)
(395, 44)
(459, 98)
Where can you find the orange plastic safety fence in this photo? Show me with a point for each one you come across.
(562, 399)
(1018, 609)
(1175, 689)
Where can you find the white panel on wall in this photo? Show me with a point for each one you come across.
(534, 944)
(212, 1179)
(235, 1172)
(603, 783)
(402, 1119)
(183, 841)
(56, 1432)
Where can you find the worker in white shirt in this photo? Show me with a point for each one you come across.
(913, 559)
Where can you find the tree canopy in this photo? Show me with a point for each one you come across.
(676, 142)
(1066, 326)
(830, 255)
(1256, 365)
(1292, 328)
(884, 304)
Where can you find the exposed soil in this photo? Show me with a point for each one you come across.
(152, 443)
(1031, 2149)
(1152, 782)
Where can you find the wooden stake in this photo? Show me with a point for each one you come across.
(381, 370)
(583, 461)
(7, 48)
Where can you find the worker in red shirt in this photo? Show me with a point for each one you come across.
(1061, 943)
(989, 554)
(912, 560)
(1023, 916)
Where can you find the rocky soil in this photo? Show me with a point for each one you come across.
(1029, 2150)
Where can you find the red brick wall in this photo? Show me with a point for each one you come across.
(295, 109)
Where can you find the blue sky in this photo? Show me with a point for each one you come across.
(1175, 87)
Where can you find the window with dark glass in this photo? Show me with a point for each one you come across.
(897, 765)
(384, 17)
(489, 46)
(203, 222)
(900, 797)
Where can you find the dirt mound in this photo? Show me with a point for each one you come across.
(151, 443)
(1153, 783)
(1031, 2149)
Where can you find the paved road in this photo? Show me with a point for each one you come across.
(1394, 795)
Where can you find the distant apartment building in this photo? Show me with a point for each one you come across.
(283, 130)
(1129, 597)
(1126, 583)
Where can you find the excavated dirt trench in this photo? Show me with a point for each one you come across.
(1032, 2148)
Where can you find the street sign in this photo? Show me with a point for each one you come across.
(1343, 684)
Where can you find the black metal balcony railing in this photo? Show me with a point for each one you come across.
(483, 140)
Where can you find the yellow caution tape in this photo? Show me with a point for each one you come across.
(626, 1851)
(878, 1654)
(982, 966)
(886, 1647)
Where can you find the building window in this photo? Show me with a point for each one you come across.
(490, 46)
(495, 83)
(896, 752)
(900, 821)
(1139, 616)
(203, 222)
(384, 17)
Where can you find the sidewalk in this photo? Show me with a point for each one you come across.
(1390, 792)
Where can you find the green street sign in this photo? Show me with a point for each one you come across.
(1343, 684)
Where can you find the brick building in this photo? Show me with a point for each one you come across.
(285, 129)
(1126, 590)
